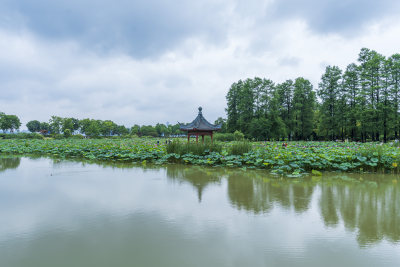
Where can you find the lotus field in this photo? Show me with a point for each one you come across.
(295, 159)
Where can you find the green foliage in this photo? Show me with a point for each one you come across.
(239, 148)
(77, 136)
(224, 137)
(329, 92)
(21, 136)
(55, 124)
(259, 129)
(57, 136)
(200, 149)
(362, 103)
(221, 121)
(67, 126)
(67, 133)
(296, 158)
(33, 126)
(148, 130)
(44, 126)
(238, 136)
(303, 109)
(9, 122)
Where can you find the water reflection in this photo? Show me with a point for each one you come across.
(261, 194)
(371, 208)
(367, 205)
(197, 176)
(9, 163)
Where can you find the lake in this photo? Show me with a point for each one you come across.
(72, 213)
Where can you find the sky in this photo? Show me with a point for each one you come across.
(143, 62)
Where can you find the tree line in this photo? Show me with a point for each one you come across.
(359, 103)
(95, 128)
(88, 127)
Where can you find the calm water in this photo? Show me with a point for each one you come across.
(64, 213)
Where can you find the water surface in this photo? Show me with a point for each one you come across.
(66, 213)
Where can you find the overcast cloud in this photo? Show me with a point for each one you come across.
(143, 62)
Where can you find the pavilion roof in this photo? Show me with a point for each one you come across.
(199, 124)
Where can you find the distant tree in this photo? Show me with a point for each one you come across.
(148, 130)
(135, 129)
(174, 129)
(44, 126)
(67, 123)
(84, 125)
(93, 128)
(33, 126)
(9, 122)
(67, 133)
(221, 121)
(108, 128)
(55, 124)
(75, 123)
(161, 129)
(120, 130)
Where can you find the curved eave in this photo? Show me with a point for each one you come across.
(199, 130)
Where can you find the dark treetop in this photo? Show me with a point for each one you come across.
(199, 124)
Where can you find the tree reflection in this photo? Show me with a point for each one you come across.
(372, 208)
(198, 177)
(259, 195)
(327, 206)
(367, 205)
(9, 163)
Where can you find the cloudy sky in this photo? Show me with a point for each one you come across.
(157, 60)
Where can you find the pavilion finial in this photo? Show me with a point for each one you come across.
(200, 109)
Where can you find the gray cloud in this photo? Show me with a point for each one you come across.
(332, 16)
(141, 28)
(154, 61)
(289, 61)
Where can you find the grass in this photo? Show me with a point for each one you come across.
(199, 149)
(240, 147)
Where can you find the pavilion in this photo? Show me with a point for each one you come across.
(199, 127)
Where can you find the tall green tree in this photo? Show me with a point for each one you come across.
(351, 91)
(245, 106)
(394, 82)
(303, 109)
(371, 66)
(277, 127)
(328, 91)
(233, 99)
(285, 97)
